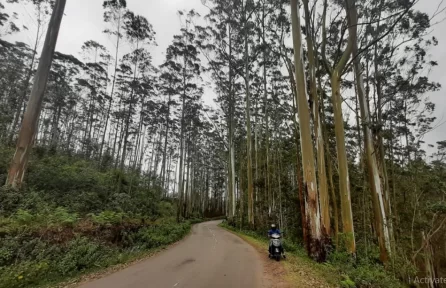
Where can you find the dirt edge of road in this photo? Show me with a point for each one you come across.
(76, 281)
(274, 273)
(292, 272)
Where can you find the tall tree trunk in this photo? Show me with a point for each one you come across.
(182, 124)
(188, 195)
(121, 138)
(163, 168)
(316, 242)
(55, 137)
(116, 139)
(112, 88)
(231, 160)
(381, 151)
(344, 180)
(248, 126)
(30, 120)
(242, 197)
(129, 114)
(279, 166)
(265, 100)
(169, 167)
(334, 200)
(376, 187)
(320, 152)
(298, 179)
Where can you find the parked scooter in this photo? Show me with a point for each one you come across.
(276, 249)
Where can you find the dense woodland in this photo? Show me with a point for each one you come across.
(320, 112)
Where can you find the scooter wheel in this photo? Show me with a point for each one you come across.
(277, 258)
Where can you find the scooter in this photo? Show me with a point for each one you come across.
(276, 248)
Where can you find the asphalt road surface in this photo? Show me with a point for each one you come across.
(210, 257)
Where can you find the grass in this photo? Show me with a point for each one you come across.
(340, 269)
(300, 270)
(37, 254)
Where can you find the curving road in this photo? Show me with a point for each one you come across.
(208, 258)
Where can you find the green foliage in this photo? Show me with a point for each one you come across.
(5, 157)
(81, 254)
(109, 218)
(347, 282)
(438, 207)
(356, 272)
(59, 217)
(161, 234)
(362, 271)
(68, 220)
(28, 259)
(24, 217)
(78, 186)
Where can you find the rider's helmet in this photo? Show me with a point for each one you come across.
(273, 226)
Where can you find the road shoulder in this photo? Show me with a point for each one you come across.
(101, 273)
(292, 272)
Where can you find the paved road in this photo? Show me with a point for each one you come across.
(209, 258)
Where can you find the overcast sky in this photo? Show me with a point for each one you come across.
(84, 21)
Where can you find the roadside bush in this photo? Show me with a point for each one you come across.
(24, 274)
(82, 254)
(162, 234)
(68, 219)
(109, 218)
(29, 261)
(360, 272)
(363, 271)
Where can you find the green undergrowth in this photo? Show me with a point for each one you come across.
(340, 270)
(72, 217)
(42, 249)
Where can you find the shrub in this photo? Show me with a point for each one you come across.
(162, 234)
(62, 217)
(109, 218)
(68, 219)
(24, 274)
(82, 254)
(362, 271)
(28, 261)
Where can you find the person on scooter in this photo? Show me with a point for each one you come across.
(274, 230)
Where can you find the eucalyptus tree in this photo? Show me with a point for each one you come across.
(29, 124)
(61, 96)
(229, 47)
(248, 9)
(139, 32)
(15, 58)
(320, 146)
(42, 10)
(169, 86)
(113, 16)
(95, 56)
(316, 239)
(220, 44)
(335, 72)
(384, 75)
(182, 69)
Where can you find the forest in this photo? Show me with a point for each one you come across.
(321, 108)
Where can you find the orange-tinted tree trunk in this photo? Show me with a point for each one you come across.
(316, 243)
